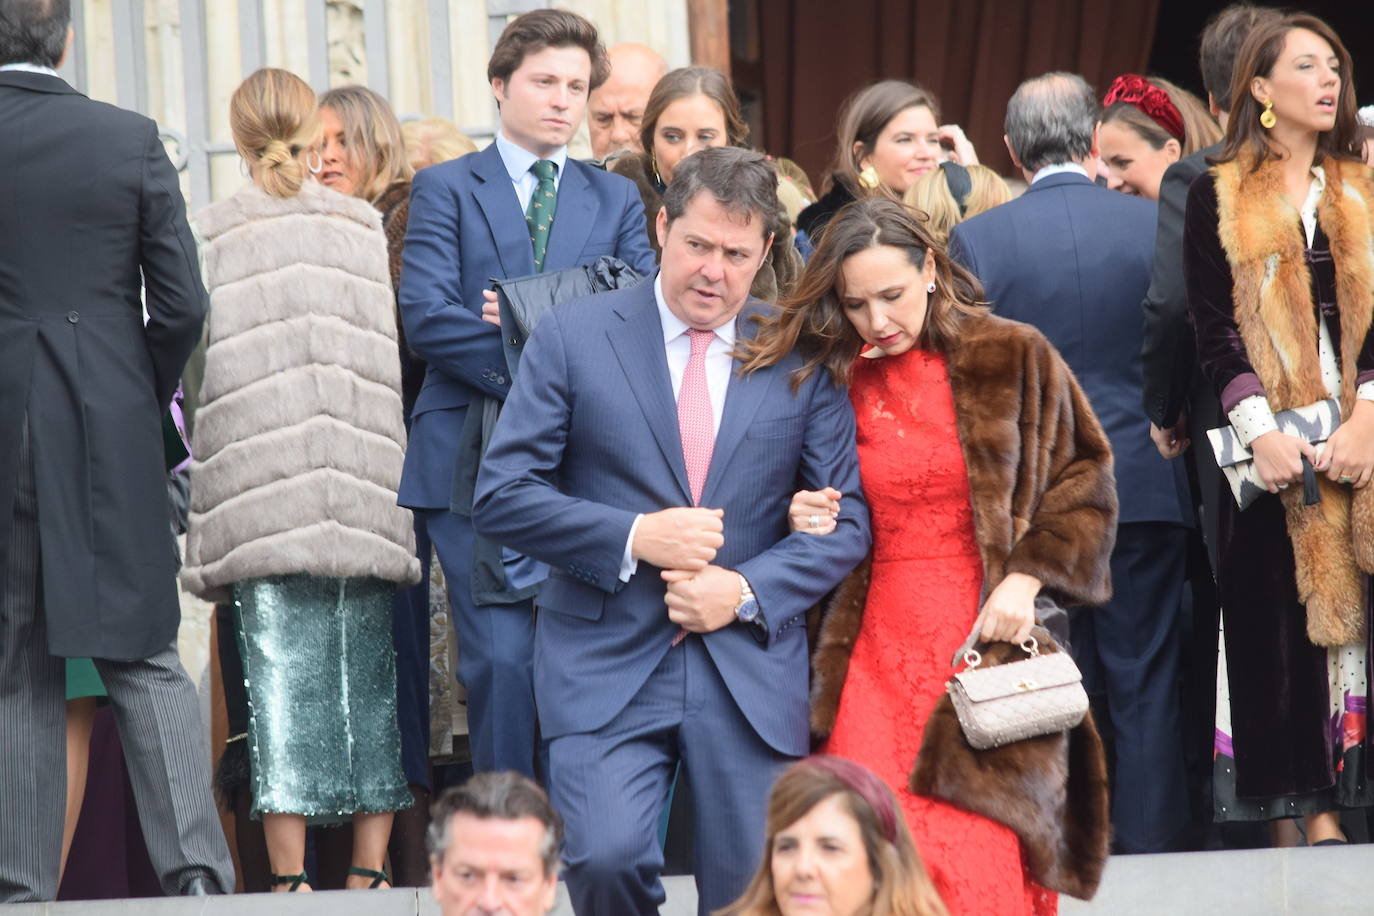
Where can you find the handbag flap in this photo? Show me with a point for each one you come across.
(1056, 669)
(1313, 422)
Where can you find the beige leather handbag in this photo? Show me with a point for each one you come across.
(1039, 695)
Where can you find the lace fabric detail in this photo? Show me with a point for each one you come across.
(922, 601)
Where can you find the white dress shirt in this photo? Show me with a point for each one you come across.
(677, 345)
(1060, 169)
(518, 160)
(31, 68)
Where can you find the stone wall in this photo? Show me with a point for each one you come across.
(286, 43)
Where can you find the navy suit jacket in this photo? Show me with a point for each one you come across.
(589, 440)
(1073, 259)
(467, 227)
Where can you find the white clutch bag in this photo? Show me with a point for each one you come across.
(1314, 423)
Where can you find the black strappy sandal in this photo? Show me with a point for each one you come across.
(377, 876)
(294, 880)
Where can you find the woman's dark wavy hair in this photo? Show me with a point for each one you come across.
(812, 320)
(1257, 57)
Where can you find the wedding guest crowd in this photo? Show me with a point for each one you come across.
(715, 482)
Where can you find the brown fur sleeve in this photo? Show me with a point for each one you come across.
(832, 640)
(1068, 538)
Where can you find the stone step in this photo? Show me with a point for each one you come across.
(1332, 881)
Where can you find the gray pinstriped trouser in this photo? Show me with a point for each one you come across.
(159, 723)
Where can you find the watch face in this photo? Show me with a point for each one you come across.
(748, 611)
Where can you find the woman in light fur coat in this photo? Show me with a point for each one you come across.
(298, 443)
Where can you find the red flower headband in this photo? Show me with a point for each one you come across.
(1150, 99)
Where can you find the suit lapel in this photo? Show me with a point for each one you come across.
(572, 220)
(638, 344)
(743, 397)
(496, 196)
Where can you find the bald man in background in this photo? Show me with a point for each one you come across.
(615, 108)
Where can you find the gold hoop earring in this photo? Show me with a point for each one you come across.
(869, 178)
(1266, 118)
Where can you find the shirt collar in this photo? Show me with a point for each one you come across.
(518, 160)
(1060, 169)
(674, 327)
(31, 68)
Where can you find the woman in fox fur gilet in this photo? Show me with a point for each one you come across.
(298, 449)
(1279, 256)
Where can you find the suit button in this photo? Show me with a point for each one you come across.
(500, 380)
(73, 316)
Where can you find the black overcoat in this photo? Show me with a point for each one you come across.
(91, 213)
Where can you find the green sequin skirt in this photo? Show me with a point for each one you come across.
(320, 670)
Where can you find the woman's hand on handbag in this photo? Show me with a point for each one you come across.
(1349, 454)
(1278, 459)
(814, 511)
(1009, 612)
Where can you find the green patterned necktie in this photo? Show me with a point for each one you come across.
(539, 214)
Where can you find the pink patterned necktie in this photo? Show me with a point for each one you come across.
(695, 421)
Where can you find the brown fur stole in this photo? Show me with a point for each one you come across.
(1051, 791)
(1262, 235)
(1040, 476)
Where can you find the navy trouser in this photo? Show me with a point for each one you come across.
(1128, 650)
(495, 655)
(610, 785)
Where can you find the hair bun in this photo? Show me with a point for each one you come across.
(276, 154)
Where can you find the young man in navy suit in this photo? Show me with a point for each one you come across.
(654, 480)
(518, 207)
(1074, 260)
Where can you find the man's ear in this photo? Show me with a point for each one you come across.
(1095, 151)
(661, 227)
(767, 246)
(1011, 150)
(1212, 107)
(498, 90)
(67, 48)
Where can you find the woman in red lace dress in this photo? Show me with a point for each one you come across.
(986, 473)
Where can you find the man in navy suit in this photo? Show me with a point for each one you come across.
(517, 207)
(654, 480)
(1074, 260)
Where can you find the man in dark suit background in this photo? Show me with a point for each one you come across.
(91, 214)
(654, 480)
(1073, 259)
(1182, 406)
(517, 207)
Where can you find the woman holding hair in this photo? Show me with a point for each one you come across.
(298, 446)
(947, 196)
(989, 480)
(835, 842)
(1147, 125)
(1279, 260)
(889, 135)
(694, 108)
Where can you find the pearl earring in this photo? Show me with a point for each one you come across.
(930, 287)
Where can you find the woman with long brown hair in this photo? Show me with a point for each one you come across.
(1279, 257)
(989, 480)
(695, 108)
(836, 842)
(888, 136)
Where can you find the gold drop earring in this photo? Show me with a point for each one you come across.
(1266, 118)
(869, 177)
